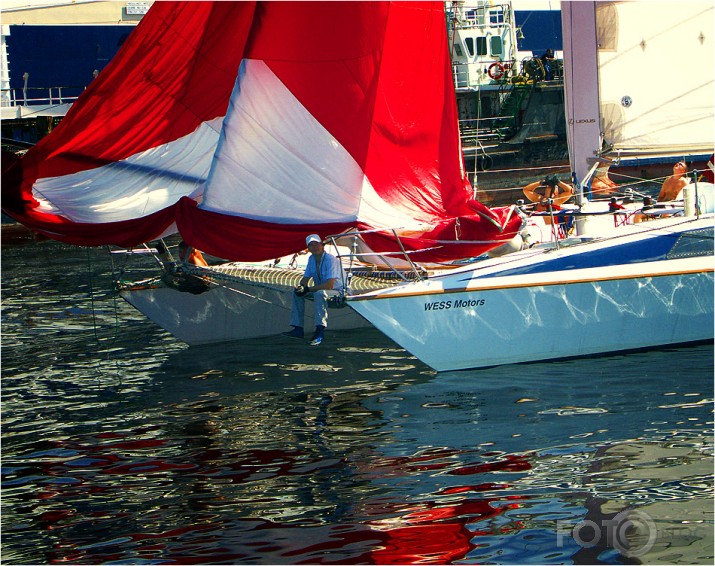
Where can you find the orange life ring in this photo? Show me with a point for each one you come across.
(496, 71)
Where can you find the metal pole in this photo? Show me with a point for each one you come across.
(407, 256)
(554, 225)
(697, 200)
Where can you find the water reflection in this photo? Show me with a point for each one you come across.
(126, 446)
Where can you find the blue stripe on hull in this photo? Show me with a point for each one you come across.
(657, 248)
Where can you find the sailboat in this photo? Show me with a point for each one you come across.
(613, 286)
(246, 126)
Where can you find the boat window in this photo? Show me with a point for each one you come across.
(497, 45)
(693, 243)
(481, 46)
(496, 16)
(458, 50)
(469, 42)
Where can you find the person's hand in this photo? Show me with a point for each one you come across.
(301, 290)
(551, 181)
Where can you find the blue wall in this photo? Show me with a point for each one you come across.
(68, 55)
(61, 55)
(541, 29)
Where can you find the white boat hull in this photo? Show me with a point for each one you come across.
(228, 312)
(467, 321)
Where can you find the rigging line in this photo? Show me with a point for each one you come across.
(553, 27)
(617, 173)
(116, 292)
(115, 296)
(31, 114)
(248, 294)
(638, 180)
(531, 168)
(94, 317)
(91, 294)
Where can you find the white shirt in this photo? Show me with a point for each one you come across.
(330, 268)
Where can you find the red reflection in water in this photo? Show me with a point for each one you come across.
(436, 534)
(49, 519)
(467, 488)
(442, 534)
(424, 544)
(428, 534)
(508, 464)
(134, 444)
(437, 531)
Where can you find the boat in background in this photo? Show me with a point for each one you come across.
(628, 279)
(511, 108)
(512, 119)
(49, 53)
(308, 128)
(632, 119)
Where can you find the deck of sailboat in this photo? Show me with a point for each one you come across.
(362, 279)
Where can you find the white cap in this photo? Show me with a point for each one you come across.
(313, 238)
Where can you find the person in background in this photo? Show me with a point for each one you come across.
(552, 188)
(675, 183)
(601, 183)
(547, 59)
(555, 190)
(326, 272)
(191, 255)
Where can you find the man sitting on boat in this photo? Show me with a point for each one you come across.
(674, 184)
(326, 272)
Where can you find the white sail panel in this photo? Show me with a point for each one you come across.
(279, 158)
(375, 212)
(656, 75)
(273, 152)
(134, 187)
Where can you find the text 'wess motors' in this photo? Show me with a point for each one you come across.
(458, 304)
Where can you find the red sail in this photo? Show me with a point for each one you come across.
(249, 125)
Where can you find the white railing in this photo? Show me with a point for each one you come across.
(38, 96)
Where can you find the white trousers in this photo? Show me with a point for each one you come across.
(320, 300)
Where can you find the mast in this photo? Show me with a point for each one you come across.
(581, 91)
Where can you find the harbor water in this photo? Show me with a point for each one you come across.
(121, 445)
